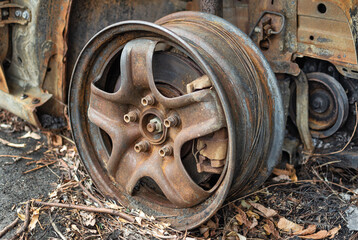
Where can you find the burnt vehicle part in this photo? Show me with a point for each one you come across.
(41, 41)
(166, 123)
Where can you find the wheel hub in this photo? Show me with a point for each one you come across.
(152, 127)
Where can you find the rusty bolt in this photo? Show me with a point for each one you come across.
(154, 125)
(18, 13)
(171, 121)
(166, 151)
(148, 100)
(142, 146)
(132, 116)
(26, 15)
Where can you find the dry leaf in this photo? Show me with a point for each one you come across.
(267, 212)
(334, 231)
(252, 214)
(204, 231)
(34, 219)
(89, 219)
(241, 237)
(279, 172)
(31, 135)
(281, 178)
(270, 229)
(318, 235)
(288, 226)
(254, 223)
(210, 224)
(15, 145)
(242, 218)
(138, 220)
(20, 215)
(309, 230)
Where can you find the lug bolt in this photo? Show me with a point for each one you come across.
(148, 100)
(18, 13)
(132, 116)
(171, 121)
(154, 125)
(142, 146)
(26, 15)
(166, 151)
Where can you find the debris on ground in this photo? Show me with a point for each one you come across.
(314, 201)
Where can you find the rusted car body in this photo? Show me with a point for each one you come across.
(174, 116)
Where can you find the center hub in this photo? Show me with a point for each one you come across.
(152, 127)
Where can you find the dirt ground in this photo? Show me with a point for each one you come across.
(316, 195)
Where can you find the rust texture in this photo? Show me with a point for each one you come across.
(214, 7)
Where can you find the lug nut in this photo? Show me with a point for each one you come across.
(154, 125)
(166, 151)
(132, 116)
(148, 100)
(142, 146)
(151, 127)
(171, 121)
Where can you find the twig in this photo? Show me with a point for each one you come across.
(9, 227)
(26, 222)
(89, 209)
(56, 229)
(68, 139)
(316, 173)
(39, 167)
(90, 195)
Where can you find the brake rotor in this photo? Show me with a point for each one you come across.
(149, 103)
(328, 105)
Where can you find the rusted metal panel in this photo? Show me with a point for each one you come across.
(318, 38)
(41, 41)
(214, 7)
(279, 48)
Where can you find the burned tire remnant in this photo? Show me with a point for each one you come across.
(174, 117)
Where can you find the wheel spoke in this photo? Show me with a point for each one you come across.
(122, 142)
(103, 111)
(136, 69)
(169, 174)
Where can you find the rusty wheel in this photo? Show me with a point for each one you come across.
(174, 116)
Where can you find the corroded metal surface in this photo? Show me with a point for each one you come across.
(214, 7)
(302, 111)
(123, 140)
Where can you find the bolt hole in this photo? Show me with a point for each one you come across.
(19, 60)
(137, 148)
(322, 8)
(311, 38)
(345, 69)
(161, 153)
(144, 102)
(166, 123)
(126, 118)
(49, 69)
